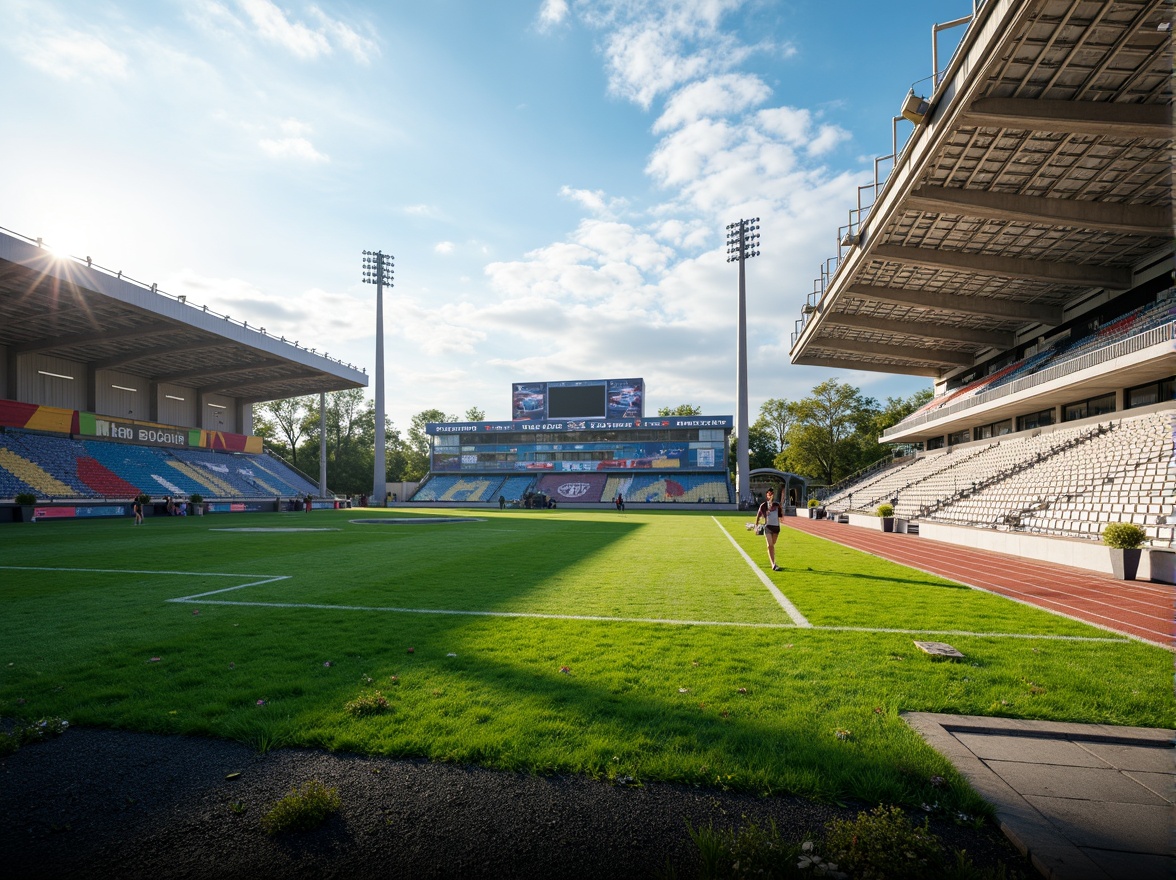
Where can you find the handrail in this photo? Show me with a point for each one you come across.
(1131, 344)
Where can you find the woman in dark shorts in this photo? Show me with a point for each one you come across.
(770, 512)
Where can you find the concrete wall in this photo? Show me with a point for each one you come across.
(1089, 555)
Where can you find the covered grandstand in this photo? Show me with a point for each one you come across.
(661, 460)
(113, 389)
(1018, 250)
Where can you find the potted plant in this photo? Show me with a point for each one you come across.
(26, 500)
(197, 504)
(886, 512)
(1125, 541)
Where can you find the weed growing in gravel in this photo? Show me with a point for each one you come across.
(302, 809)
(879, 845)
(24, 733)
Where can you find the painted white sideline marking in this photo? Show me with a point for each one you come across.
(791, 610)
(198, 599)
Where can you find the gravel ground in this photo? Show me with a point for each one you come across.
(102, 803)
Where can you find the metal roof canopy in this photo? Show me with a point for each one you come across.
(1039, 181)
(73, 309)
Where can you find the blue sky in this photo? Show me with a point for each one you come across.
(554, 177)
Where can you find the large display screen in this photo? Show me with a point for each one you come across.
(576, 402)
(579, 399)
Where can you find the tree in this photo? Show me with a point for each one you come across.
(682, 409)
(286, 423)
(776, 416)
(759, 450)
(825, 440)
(473, 414)
(416, 448)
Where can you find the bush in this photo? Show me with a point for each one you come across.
(884, 844)
(196, 499)
(884, 510)
(814, 502)
(302, 809)
(1124, 536)
(371, 703)
(25, 498)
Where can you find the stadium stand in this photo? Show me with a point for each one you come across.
(63, 468)
(1017, 250)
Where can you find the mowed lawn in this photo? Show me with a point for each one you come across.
(640, 645)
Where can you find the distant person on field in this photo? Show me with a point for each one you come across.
(137, 507)
(309, 502)
(620, 502)
(502, 502)
(770, 512)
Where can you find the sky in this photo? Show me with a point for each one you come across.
(553, 177)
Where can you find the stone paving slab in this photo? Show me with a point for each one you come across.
(1083, 802)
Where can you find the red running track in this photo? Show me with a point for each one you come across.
(1142, 609)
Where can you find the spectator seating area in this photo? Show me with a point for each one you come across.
(1137, 321)
(59, 467)
(648, 487)
(1070, 482)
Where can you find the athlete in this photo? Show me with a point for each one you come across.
(770, 512)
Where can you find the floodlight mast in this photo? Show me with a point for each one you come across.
(378, 270)
(742, 245)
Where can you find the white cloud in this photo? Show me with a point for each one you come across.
(72, 55)
(272, 24)
(444, 247)
(725, 95)
(298, 148)
(594, 201)
(552, 13)
(432, 212)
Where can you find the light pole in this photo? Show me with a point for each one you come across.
(742, 245)
(377, 270)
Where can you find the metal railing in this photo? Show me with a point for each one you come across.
(1123, 347)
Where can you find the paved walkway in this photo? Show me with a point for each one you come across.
(1082, 801)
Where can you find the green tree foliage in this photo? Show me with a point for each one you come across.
(826, 439)
(416, 448)
(835, 430)
(292, 431)
(760, 449)
(473, 414)
(682, 409)
(285, 424)
(776, 416)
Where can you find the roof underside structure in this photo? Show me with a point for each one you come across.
(73, 309)
(1039, 180)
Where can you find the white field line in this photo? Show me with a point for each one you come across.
(198, 599)
(791, 610)
(195, 600)
(211, 574)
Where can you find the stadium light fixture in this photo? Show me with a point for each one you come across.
(742, 244)
(378, 270)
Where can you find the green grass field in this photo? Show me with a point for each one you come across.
(639, 644)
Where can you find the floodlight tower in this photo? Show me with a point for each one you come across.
(377, 270)
(742, 245)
